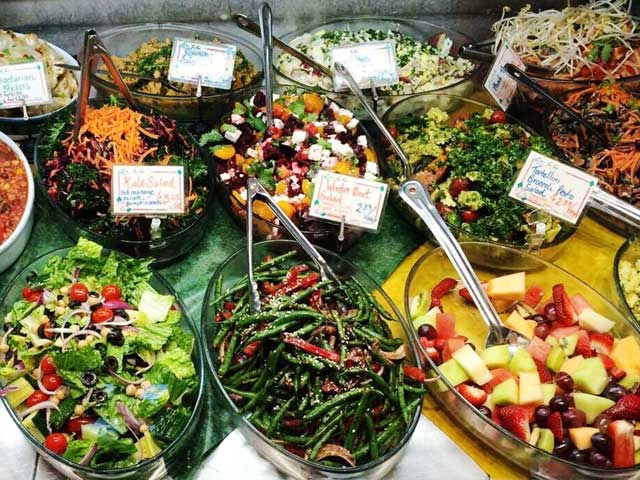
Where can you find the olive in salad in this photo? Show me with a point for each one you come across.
(468, 163)
(318, 370)
(309, 133)
(94, 360)
(77, 174)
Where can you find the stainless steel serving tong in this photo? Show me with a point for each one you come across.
(255, 191)
(266, 26)
(414, 194)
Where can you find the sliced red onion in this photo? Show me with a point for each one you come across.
(60, 330)
(334, 450)
(87, 458)
(76, 275)
(65, 342)
(129, 328)
(124, 380)
(129, 419)
(39, 406)
(87, 397)
(117, 304)
(7, 389)
(115, 323)
(19, 365)
(71, 314)
(41, 298)
(6, 335)
(47, 417)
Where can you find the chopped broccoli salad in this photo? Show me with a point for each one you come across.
(95, 362)
(422, 66)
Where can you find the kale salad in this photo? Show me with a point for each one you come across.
(468, 163)
(95, 362)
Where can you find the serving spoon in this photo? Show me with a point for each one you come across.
(414, 194)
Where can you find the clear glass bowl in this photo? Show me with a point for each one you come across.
(456, 106)
(164, 250)
(629, 251)
(121, 41)
(320, 233)
(228, 274)
(18, 128)
(157, 467)
(433, 267)
(420, 30)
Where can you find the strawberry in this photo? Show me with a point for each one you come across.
(617, 373)
(433, 354)
(464, 293)
(495, 416)
(583, 347)
(626, 408)
(565, 313)
(426, 343)
(475, 396)
(621, 433)
(533, 296)
(601, 342)
(606, 361)
(554, 423)
(545, 374)
(515, 419)
(439, 343)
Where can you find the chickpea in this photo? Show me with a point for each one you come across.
(4, 348)
(64, 290)
(130, 390)
(146, 384)
(140, 393)
(144, 428)
(78, 410)
(82, 343)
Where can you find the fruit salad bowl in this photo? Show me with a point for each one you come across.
(553, 408)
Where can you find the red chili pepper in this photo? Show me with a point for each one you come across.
(414, 373)
(315, 299)
(251, 349)
(229, 306)
(311, 348)
(441, 289)
(271, 288)
(292, 422)
(219, 318)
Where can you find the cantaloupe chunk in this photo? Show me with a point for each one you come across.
(626, 354)
(517, 323)
(581, 437)
(530, 389)
(507, 287)
(571, 364)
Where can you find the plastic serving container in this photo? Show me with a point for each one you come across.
(629, 251)
(228, 274)
(13, 246)
(457, 107)
(433, 267)
(164, 250)
(420, 30)
(121, 41)
(156, 467)
(17, 127)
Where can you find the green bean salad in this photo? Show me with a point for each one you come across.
(317, 370)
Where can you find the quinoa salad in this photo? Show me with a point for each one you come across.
(422, 66)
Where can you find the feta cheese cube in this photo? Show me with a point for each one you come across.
(362, 141)
(278, 123)
(339, 128)
(237, 119)
(343, 112)
(232, 136)
(370, 176)
(298, 136)
(224, 176)
(315, 152)
(251, 153)
(353, 123)
(326, 153)
(334, 106)
(329, 163)
(372, 167)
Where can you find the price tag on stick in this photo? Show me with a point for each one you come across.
(371, 64)
(554, 187)
(201, 63)
(354, 201)
(145, 190)
(499, 83)
(23, 84)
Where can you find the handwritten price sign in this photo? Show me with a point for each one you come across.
(369, 63)
(205, 63)
(498, 83)
(147, 190)
(552, 186)
(356, 201)
(23, 84)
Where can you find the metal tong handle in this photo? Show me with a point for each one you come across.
(414, 194)
(355, 89)
(267, 54)
(252, 27)
(93, 48)
(254, 294)
(524, 79)
(256, 191)
(612, 205)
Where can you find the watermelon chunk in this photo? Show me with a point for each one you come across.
(446, 325)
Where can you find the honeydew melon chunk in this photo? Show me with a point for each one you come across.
(535, 436)
(507, 287)
(420, 305)
(530, 389)
(428, 318)
(591, 405)
(517, 323)
(548, 391)
(497, 356)
(546, 441)
(553, 341)
(556, 358)
(630, 381)
(473, 365)
(453, 372)
(522, 362)
(592, 321)
(581, 437)
(637, 457)
(506, 393)
(571, 364)
(591, 376)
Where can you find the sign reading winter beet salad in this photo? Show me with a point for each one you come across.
(310, 134)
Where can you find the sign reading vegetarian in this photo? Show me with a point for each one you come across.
(23, 84)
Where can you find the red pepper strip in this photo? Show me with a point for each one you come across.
(251, 349)
(464, 293)
(441, 289)
(299, 451)
(301, 283)
(292, 274)
(315, 299)
(271, 288)
(414, 373)
(311, 348)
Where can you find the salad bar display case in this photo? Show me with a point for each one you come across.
(133, 342)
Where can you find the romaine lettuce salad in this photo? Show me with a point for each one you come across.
(95, 362)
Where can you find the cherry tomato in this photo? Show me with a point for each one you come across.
(47, 366)
(37, 397)
(46, 332)
(498, 117)
(52, 381)
(30, 295)
(56, 442)
(111, 292)
(469, 216)
(443, 209)
(75, 425)
(101, 314)
(78, 292)
(459, 185)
